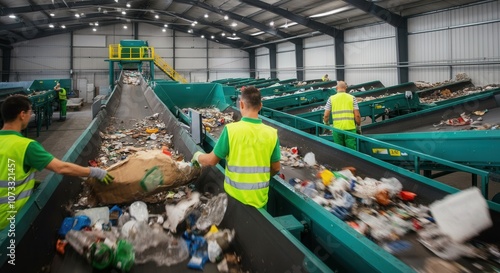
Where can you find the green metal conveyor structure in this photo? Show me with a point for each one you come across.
(293, 234)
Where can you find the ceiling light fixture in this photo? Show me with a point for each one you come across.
(128, 5)
(193, 24)
(257, 33)
(77, 15)
(52, 14)
(96, 24)
(288, 25)
(271, 23)
(125, 27)
(226, 17)
(223, 34)
(202, 36)
(234, 33)
(233, 38)
(157, 16)
(163, 30)
(63, 26)
(91, 24)
(190, 31)
(206, 15)
(94, 29)
(335, 11)
(51, 25)
(12, 16)
(116, 1)
(165, 25)
(234, 24)
(212, 37)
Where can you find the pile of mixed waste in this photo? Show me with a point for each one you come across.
(212, 117)
(470, 121)
(131, 77)
(445, 94)
(289, 93)
(383, 211)
(184, 229)
(147, 168)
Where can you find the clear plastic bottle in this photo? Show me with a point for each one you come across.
(80, 240)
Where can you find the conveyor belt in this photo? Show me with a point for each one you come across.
(261, 243)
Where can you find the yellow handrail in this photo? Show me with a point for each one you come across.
(143, 53)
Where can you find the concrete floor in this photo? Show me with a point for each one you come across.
(61, 135)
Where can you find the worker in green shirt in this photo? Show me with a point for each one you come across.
(63, 101)
(251, 150)
(20, 157)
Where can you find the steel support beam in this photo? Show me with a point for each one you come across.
(272, 60)
(339, 57)
(379, 12)
(323, 28)
(299, 58)
(402, 51)
(234, 16)
(251, 57)
(73, 4)
(6, 57)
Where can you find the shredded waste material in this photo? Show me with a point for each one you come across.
(131, 77)
(385, 212)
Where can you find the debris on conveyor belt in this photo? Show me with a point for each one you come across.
(383, 211)
(142, 161)
(186, 229)
(368, 98)
(425, 85)
(131, 77)
(445, 94)
(467, 119)
(289, 94)
(213, 118)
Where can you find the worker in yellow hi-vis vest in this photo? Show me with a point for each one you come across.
(20, 157)
(63, 101)
(345, 114)
(251, 150)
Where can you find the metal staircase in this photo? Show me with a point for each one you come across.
(165, 67)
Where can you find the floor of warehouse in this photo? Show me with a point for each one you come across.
(61, 135)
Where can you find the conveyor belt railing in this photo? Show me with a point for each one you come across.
(418, 161)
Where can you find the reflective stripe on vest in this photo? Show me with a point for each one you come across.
(24, 194)
(5, 184)
(251, 146)
(62, 94)
(343, 111)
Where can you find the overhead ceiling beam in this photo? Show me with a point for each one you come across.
(314, 25)
(241, 35)
(379, 12)
(33, 8)
(234, 16)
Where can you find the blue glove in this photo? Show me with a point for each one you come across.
(195, 161)
(102, 175)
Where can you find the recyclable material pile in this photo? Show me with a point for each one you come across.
(131, 77)
(368, 98)
(445, 94)
(471, 121)
(288, 94)
(383, 211)
(184, 229)
(142, 161)
(213, 118)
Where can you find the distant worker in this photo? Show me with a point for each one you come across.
(251, 150)
(20, 157)
(325, 78)
(63, 101)
(345, 114)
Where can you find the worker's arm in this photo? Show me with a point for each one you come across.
(275, 168)
(326, 116)
(208, 159)
(357, 117)
(67, 168)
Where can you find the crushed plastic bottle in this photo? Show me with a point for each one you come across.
(213, 212)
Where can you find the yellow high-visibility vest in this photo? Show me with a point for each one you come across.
(343, 111)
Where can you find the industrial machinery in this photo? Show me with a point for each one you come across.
(343, 247)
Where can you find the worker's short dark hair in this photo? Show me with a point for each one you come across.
(251, 96)
(13, 106)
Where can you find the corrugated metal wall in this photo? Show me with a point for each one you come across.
(465, 40)
(262, 64)
(195, 58)
(285, 61)
(370, 54)
(319, 57)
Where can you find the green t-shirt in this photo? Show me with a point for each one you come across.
(36, 156)
(221, 149)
